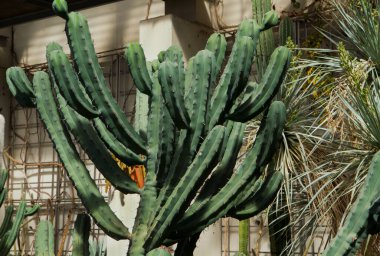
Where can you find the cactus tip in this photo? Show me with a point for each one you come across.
(270, 19)
(61, 9)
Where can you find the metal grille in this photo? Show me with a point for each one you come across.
(36, 173)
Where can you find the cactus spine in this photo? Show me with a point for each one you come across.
(191, 142)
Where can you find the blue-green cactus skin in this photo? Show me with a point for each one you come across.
(363, 217)
(85, 186)
(44, 239)
(191, 143)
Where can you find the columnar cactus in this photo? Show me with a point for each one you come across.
(196, 124)
(364, 217)
(9, 229)
(44, 242)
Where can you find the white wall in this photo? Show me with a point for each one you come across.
(112, 26)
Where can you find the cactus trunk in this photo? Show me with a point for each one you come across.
(191, 140)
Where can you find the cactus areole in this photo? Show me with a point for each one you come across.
(196, 124)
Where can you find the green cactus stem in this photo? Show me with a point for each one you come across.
(286, 30)
(81, 234)
(362, 216)
(20, 87)
(135, 57)
(190, 145)
(10, 228)
(68, 83)
(261, 199)
(243, 236)
(92, 77)
(259, 98)
(85, 186)
(44, 239)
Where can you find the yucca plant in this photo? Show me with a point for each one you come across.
(337, 183)
(344, 186)
(358, 27)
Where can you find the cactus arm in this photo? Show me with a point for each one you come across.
(355, 227)
(201, 223)
(10, 236)
(88, 138)
(3, 195)
(186, 246)
(249, 190)
(81, 234)
(77, 172)
(246, 65)
(186, 187)
(154, 64)
(7, 221)
(68, 83)
(149, 192)
(243, 236)
(3, 177)
(266, 45)
(286, 30)
(135, 57)
(71, 88)
(260, 98)
(44, 241)
(20, 87)
(168, 140)
(61, 9)
(172, 177)
(174, 54)
(91, 75)
(269, 20)
(245, 96)
(126, 155)
(29, 211)
(217, 44)
(201, 69)
(170, 80)
(259, 201)
(230, 79)
(198, 76)
(188, 85)
(223, 171)
(203, 66)
(269, 133)
(64, 78)
(3, 189)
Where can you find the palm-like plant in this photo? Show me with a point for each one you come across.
(358, 27)
(353, 119)
(348, 132)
